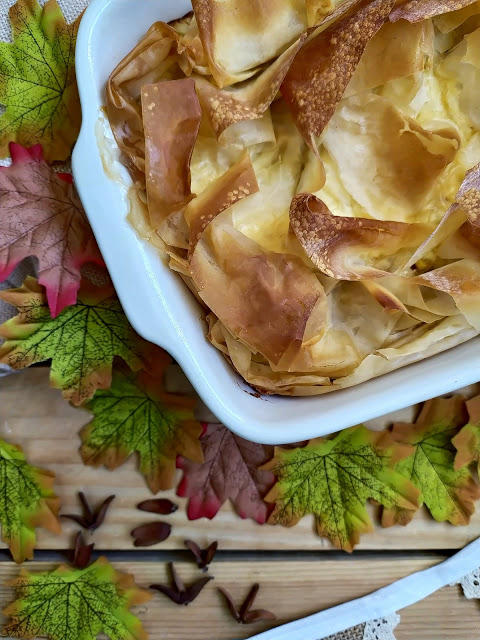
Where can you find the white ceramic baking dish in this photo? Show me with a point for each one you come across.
(161, 308)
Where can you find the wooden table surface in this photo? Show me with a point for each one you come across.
(299, 573)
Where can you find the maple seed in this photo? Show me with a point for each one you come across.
(162, 506)
(203, 557)
(152, 533)
(82, 553)
(178, 592)
(90, 520)
(244, 615)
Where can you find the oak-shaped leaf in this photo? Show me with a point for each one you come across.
(229, 471)
(42, 216)
(333, 479)
(177, 591)
(76, 604)
(91, 519)
(81, 342)
(428, 462)
(27, 501)
(467, 440)
(37, 80)
(137, 415)
(245, 614)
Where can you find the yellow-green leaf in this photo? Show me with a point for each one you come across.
(428, 463)
(333, 479)
(27, 500)
(82, 341)
(37, 81)
(137, 414)
(76, 604)
(467, 441)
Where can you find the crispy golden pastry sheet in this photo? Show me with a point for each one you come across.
(235, 184)
(350, 248)
(324, 66)
(225, 107)
(417, 10)
(230, 269)
(311, 169)
(171, 120)
(238, 37)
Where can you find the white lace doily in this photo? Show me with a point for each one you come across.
(381, 629)
(471, 585)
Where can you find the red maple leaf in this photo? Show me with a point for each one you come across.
(229, 471)
(41, 216)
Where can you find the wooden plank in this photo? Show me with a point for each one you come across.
(291, 590)
(46, 426)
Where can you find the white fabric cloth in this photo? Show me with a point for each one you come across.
(380, 606)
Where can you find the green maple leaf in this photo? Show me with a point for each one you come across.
(76, 604)
(333, 479)
(136, 414)
(428, 462)
(81, 341)
(37, 81)
(27, 500)
(467, 441)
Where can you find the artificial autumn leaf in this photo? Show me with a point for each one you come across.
(27, 501)
(41, 216)
(230, 470)
(245, 614)
(81, 342)
(146, 535)
(162, 506)
(82, 553)
(177, 591)
(333, 479)
(137, 414)
(37, 81)
(91, 519)
(76, 604)
(467, 440)
(203, 557)
(428, 462)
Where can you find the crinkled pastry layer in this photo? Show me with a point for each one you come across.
(311, 169)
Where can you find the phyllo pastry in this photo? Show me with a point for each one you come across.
(311, 169)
